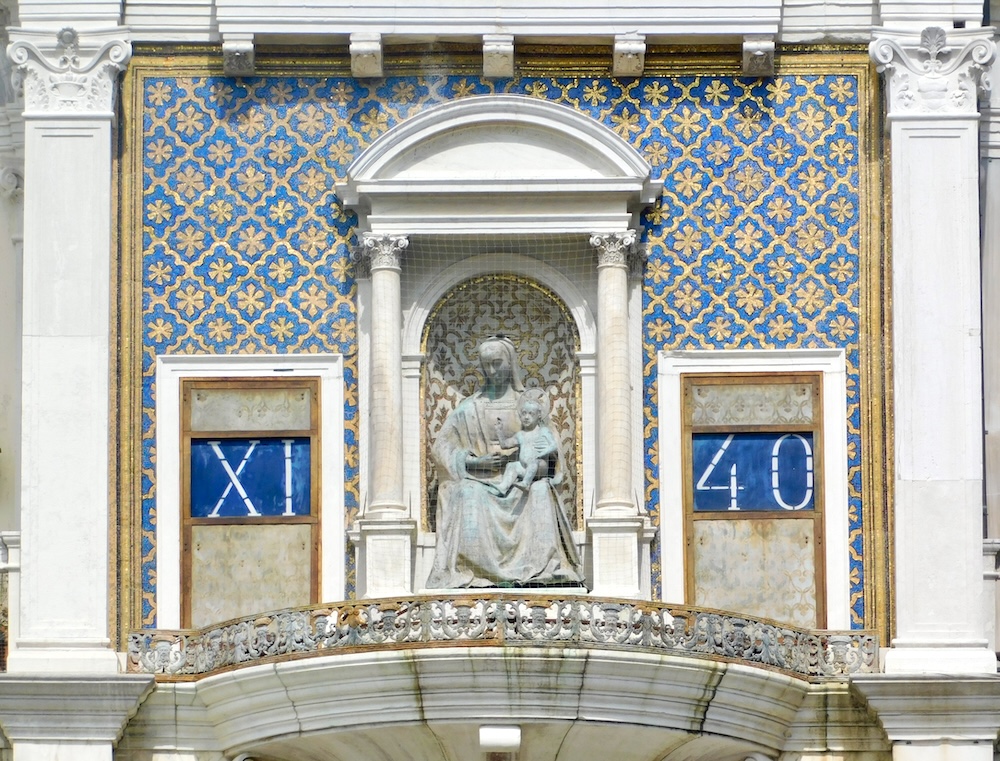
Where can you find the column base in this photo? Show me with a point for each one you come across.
(939, 659)
(60, 657)
(615, 544)
(385, 555)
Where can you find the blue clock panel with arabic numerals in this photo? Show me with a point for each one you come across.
(250, 477)
(753, 472)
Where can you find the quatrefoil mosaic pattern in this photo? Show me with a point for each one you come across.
(753, 244)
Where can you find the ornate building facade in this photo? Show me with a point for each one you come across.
(499, 381)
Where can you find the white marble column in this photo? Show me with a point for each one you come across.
(384, 254)
(932, 78)
(615, 527)
(386, 530)
(69, 83)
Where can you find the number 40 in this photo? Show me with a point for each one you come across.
(733, 486)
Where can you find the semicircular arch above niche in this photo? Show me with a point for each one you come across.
(547, 341)
(499, 164)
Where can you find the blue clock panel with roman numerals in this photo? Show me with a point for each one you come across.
(753, 471)
(250, 477)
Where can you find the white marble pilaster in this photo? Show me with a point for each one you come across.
(932, 78)
(386, 531)
(69, 83)
(11, 245)
(615, 527)
(989, 147)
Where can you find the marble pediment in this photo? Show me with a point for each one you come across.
(498, 164)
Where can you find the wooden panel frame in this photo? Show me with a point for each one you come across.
(188, 385)
(817, 514)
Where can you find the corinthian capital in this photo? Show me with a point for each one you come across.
(936, 72)
(65, 72)
(614, 249)
(383, 251)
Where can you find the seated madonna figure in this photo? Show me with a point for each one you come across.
(489, 534)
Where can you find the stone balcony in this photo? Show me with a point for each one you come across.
(512, 620)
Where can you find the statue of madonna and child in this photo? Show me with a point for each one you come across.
(500, 521)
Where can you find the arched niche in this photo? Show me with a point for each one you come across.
(548, 342)
(493, 184)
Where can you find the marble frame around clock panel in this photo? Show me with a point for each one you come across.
(832, 364)
(170, 370)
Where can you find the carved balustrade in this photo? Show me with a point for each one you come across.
(501, 620)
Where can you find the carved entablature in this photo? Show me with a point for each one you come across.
(938, 72)
(67, 73)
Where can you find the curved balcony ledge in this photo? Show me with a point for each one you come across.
(505, 620)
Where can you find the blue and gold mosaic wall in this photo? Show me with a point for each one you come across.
(245, 249)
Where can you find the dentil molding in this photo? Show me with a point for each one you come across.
(66, 72)
(935, 72)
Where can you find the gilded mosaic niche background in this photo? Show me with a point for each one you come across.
(547, 342)
(754, 243)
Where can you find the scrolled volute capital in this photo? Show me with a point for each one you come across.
(938, 72)
(614, 249)
(382, 251)
(65, 73)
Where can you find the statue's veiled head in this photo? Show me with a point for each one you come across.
(498, 360)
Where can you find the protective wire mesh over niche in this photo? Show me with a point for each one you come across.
(541, 328)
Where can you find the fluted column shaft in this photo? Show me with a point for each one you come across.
(384, 253)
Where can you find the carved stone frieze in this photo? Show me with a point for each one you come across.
(64, 73)
(939, 72)
(382, 251)
(614, 249)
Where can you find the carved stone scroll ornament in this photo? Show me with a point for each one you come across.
(65, 75)
(939, 73)
(11, 183)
